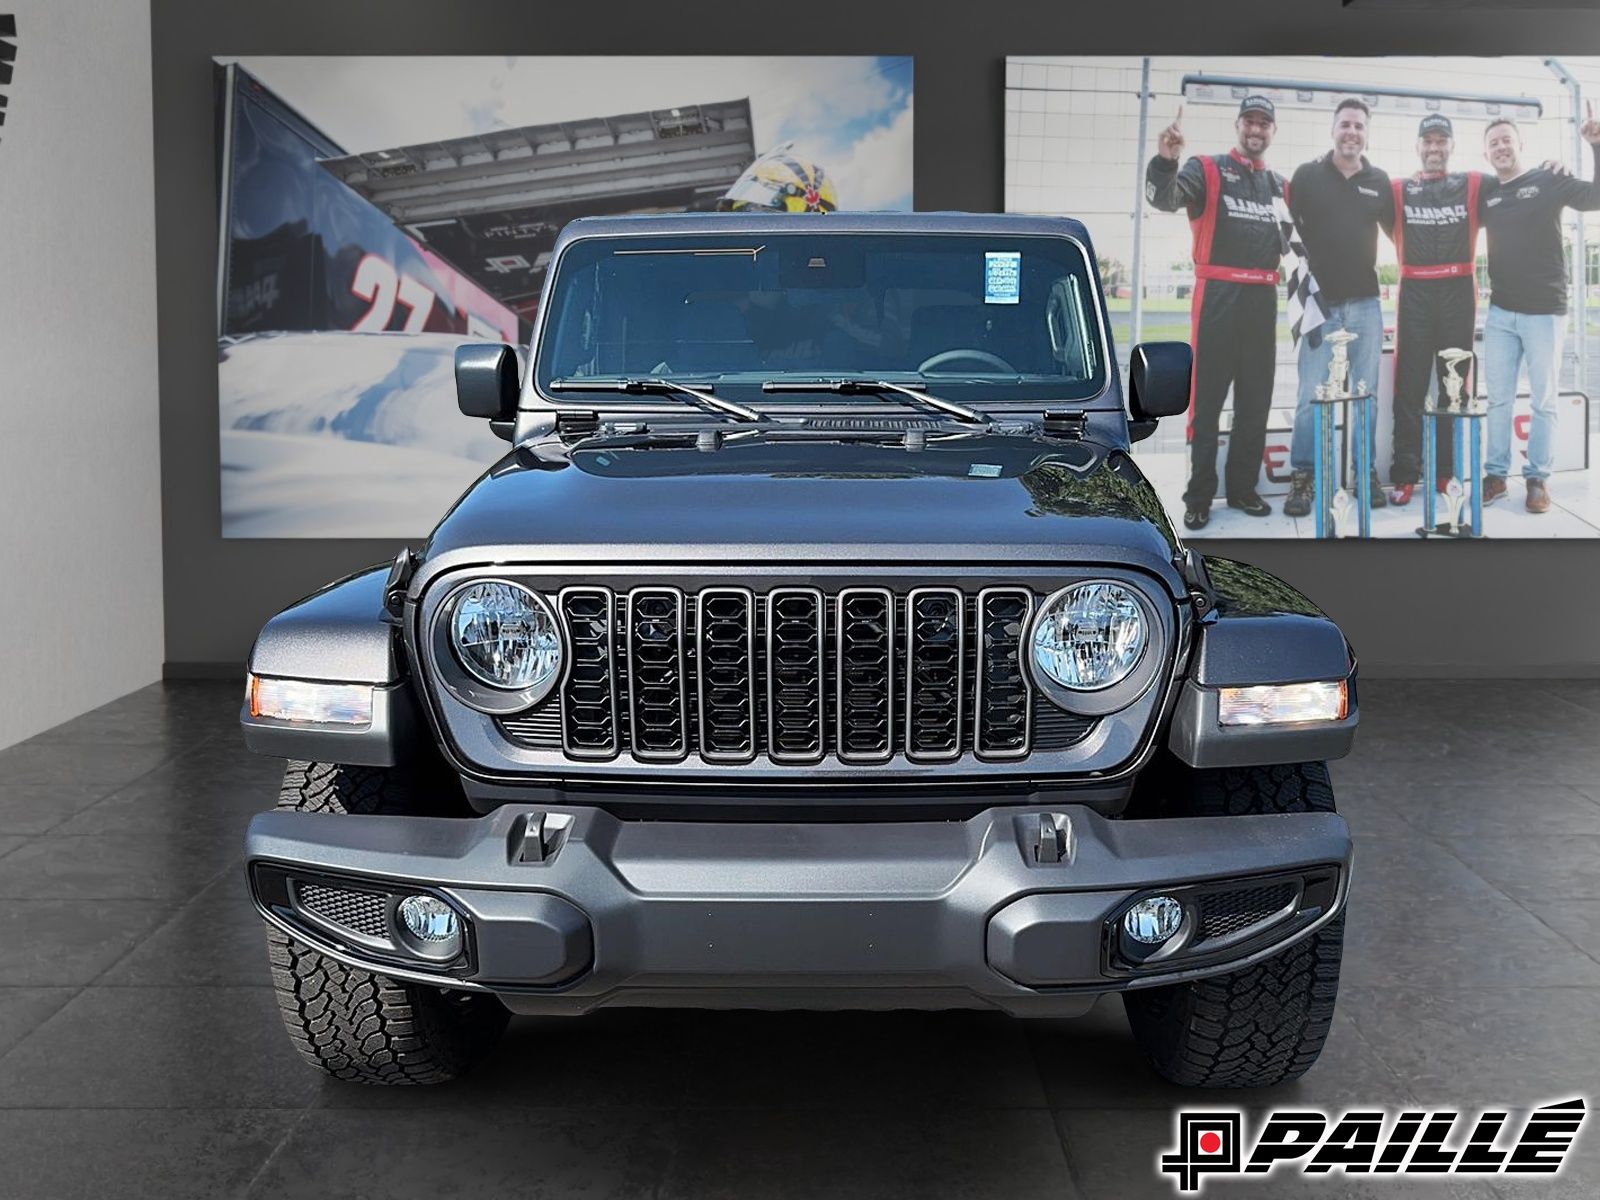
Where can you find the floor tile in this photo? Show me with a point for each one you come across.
(358, 1155)
(1490, 1046)
(1094, 1062)
(31, 809)
(207, 794)
(1417, 914)
(1490, 812)
(42, 784)
(883, 1154)
(217, 938)
(1535, 869)
(24, 1009)
(161, 1154)
(1576, 920)
(179, 1047)
(100, 769)
(70, 942)
(171, 865)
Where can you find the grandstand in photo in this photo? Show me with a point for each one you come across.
(493, 203)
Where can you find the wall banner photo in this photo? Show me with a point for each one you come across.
(378, 212)
(1389, 269)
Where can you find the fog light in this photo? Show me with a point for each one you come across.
(1153, 920)
(429, 919)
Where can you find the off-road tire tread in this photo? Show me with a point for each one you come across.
(353, 1024)
(1267, 1024)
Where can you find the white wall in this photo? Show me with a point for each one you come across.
(80, 507)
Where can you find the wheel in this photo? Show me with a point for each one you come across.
(354, 1024)
(1266, 1024)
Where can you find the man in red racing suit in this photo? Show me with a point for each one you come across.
(1238, 244)
(1436, 240)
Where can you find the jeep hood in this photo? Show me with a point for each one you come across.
(762, 496)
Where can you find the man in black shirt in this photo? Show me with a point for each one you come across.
(1527, 319)
(1436, 240)
(1238, 244)
(1338, 203)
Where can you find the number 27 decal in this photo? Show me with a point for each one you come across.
(377, 282)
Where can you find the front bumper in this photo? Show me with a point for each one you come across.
(570, 909)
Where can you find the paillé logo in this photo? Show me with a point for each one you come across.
(1367, 1141)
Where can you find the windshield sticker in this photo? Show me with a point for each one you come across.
(1002, 277)
(983, 471)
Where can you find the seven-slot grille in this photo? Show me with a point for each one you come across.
(796, 674)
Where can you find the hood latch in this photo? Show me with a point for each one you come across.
(1065, 424)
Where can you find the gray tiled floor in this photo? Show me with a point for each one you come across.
(140, 1053)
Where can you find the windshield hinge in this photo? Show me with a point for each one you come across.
(580, 423)
(395, 587)
(1065, 424)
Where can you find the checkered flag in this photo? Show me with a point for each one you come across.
(1305, 300)
(8, 55)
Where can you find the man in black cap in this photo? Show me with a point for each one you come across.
(1338, 203)
(1238, 244)
(1436, 240)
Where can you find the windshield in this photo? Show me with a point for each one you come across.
(982, 317)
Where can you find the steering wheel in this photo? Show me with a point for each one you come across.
(983, 356)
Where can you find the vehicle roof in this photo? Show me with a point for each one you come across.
(1009, 224)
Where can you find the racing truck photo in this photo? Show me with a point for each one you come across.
(816, 644)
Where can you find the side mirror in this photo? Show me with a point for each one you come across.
(487, 383)
(1158, 380)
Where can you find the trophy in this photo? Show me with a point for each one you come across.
(1339, 367)
(1445, 507)
(1336, 508)
(1452, 500)
(1343, 502)
(1453, 359)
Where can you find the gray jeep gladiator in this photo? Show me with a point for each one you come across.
(817, 643)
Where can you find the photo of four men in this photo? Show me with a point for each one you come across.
(1338, 204)
(1473, 186)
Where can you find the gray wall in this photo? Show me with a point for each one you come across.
(1445, 609)
(80, 509)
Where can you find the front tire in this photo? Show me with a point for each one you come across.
(1266, 1024)
(357, 1025)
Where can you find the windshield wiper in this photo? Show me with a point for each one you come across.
(847, 387)
(636, 387)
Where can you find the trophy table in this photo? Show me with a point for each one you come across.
(1464, 492)
(1336, 509)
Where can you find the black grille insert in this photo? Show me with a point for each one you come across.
(365, 913)
(1225, 913)
(657, 696)
(864, 661)
(795, 675)
(725, 640)
(589, 695)
(1004, 701)
(935, 658)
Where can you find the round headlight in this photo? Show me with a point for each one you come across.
(1090, 637)
(505, 636)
